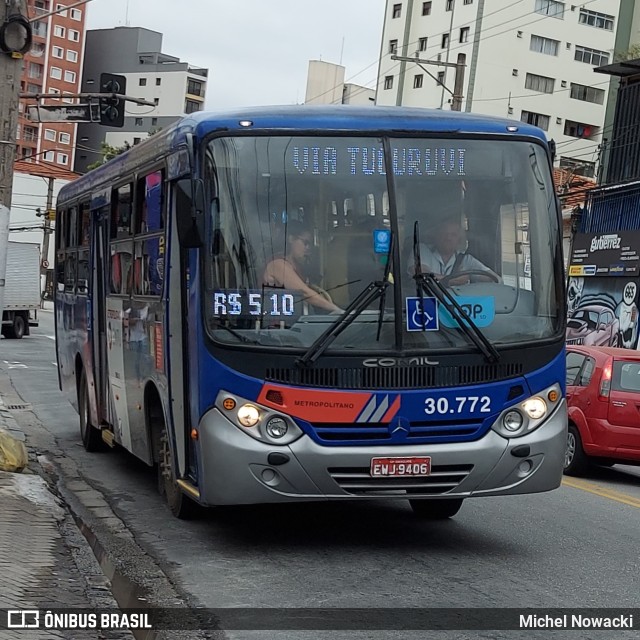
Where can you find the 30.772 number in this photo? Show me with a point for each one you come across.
(460, 404)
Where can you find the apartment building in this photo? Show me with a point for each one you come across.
(175, 87)
(530, 60)
(53, 66)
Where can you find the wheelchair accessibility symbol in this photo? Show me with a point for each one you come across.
(422, 314)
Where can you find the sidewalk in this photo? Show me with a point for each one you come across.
(45, 562)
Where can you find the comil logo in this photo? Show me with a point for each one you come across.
(605, 242)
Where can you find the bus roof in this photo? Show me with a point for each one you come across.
(333, 118)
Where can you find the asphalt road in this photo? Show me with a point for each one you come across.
(574, 547)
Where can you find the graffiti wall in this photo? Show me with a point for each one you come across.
(603, 311)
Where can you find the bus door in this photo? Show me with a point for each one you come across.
(99, 328)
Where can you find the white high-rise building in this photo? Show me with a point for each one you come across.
(530, 60)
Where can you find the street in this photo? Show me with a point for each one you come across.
(574, 547)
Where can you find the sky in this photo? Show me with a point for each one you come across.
(257, 51)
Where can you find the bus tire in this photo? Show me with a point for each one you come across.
(91, 436)
(180, 505)
(576, 461)
(436, 509)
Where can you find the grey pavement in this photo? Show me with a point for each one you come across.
(45, 562)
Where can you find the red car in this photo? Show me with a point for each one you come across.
(603, 397)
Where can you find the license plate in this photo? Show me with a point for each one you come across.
(398, 467)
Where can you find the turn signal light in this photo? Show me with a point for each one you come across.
(229, 404)
(553, 395)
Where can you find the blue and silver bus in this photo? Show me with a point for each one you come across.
(262, 305)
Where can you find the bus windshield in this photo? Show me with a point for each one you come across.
(299, 226)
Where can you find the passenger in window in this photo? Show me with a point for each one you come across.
(288, 270)
(447, 256)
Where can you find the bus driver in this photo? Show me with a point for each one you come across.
(443, 257)
(288, 271)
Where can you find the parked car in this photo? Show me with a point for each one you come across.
(603, 397)
(593, 324)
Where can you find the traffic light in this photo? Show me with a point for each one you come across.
(112, 109)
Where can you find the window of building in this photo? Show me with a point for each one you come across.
(426, 8)
(422, 44)
(63, 158)
(596, 19)
(64, 138)
(57, 52)
(393, 46)
(39, 29)
(54, 91)
(536, 119)
(544, 45)
(154, 122)
(195, 88)
(76, 14)
(27, 153)
(417, 81)
(388, 82)
(35, 70)
(539, 83)
(33, 88)
(578, 167)
(550, 8)
(74, 35)
(449, 5)
(467, 2)
(72, 56)
(464, 34)
(30, 134)
(440, 78)
(587, 94)
(55, 73)
(591, 56)
(68, 100)
(142, 82)
(38, 49)
(397, 10)
(158, 82)
(156, 101)
(445, 40)
(49, 156)
(59, 31)
(50, 134)
(579, 129)
(61, 13)
(139, 122)
(70, 76)
(191, 106)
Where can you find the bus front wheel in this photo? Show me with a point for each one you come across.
(180, 505)
(436, 509)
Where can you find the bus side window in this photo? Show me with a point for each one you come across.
(121, 269)
(122, 209)
(85, 214)
(71, 229)
(150, 205)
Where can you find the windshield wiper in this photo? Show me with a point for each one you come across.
(234, 333)
(427, 283)
(374, 290)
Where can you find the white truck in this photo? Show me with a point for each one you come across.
(21, 290)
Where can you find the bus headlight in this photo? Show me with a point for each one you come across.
(248, 415)
(512, 420)
(523, 418)
(535, 408)
(259, 422)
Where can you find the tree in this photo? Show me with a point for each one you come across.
(108, 153)
(632, 53)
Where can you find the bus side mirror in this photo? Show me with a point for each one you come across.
(190, 212)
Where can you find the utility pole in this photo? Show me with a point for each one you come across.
(15, 42)
(459, 66)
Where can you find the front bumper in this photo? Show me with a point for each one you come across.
(235, 467)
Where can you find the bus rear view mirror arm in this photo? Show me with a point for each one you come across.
(190, 212)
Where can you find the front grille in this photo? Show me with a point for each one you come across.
(381, 432)
(416, 377)
(358, 481)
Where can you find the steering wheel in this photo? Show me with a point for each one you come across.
(472, 272)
